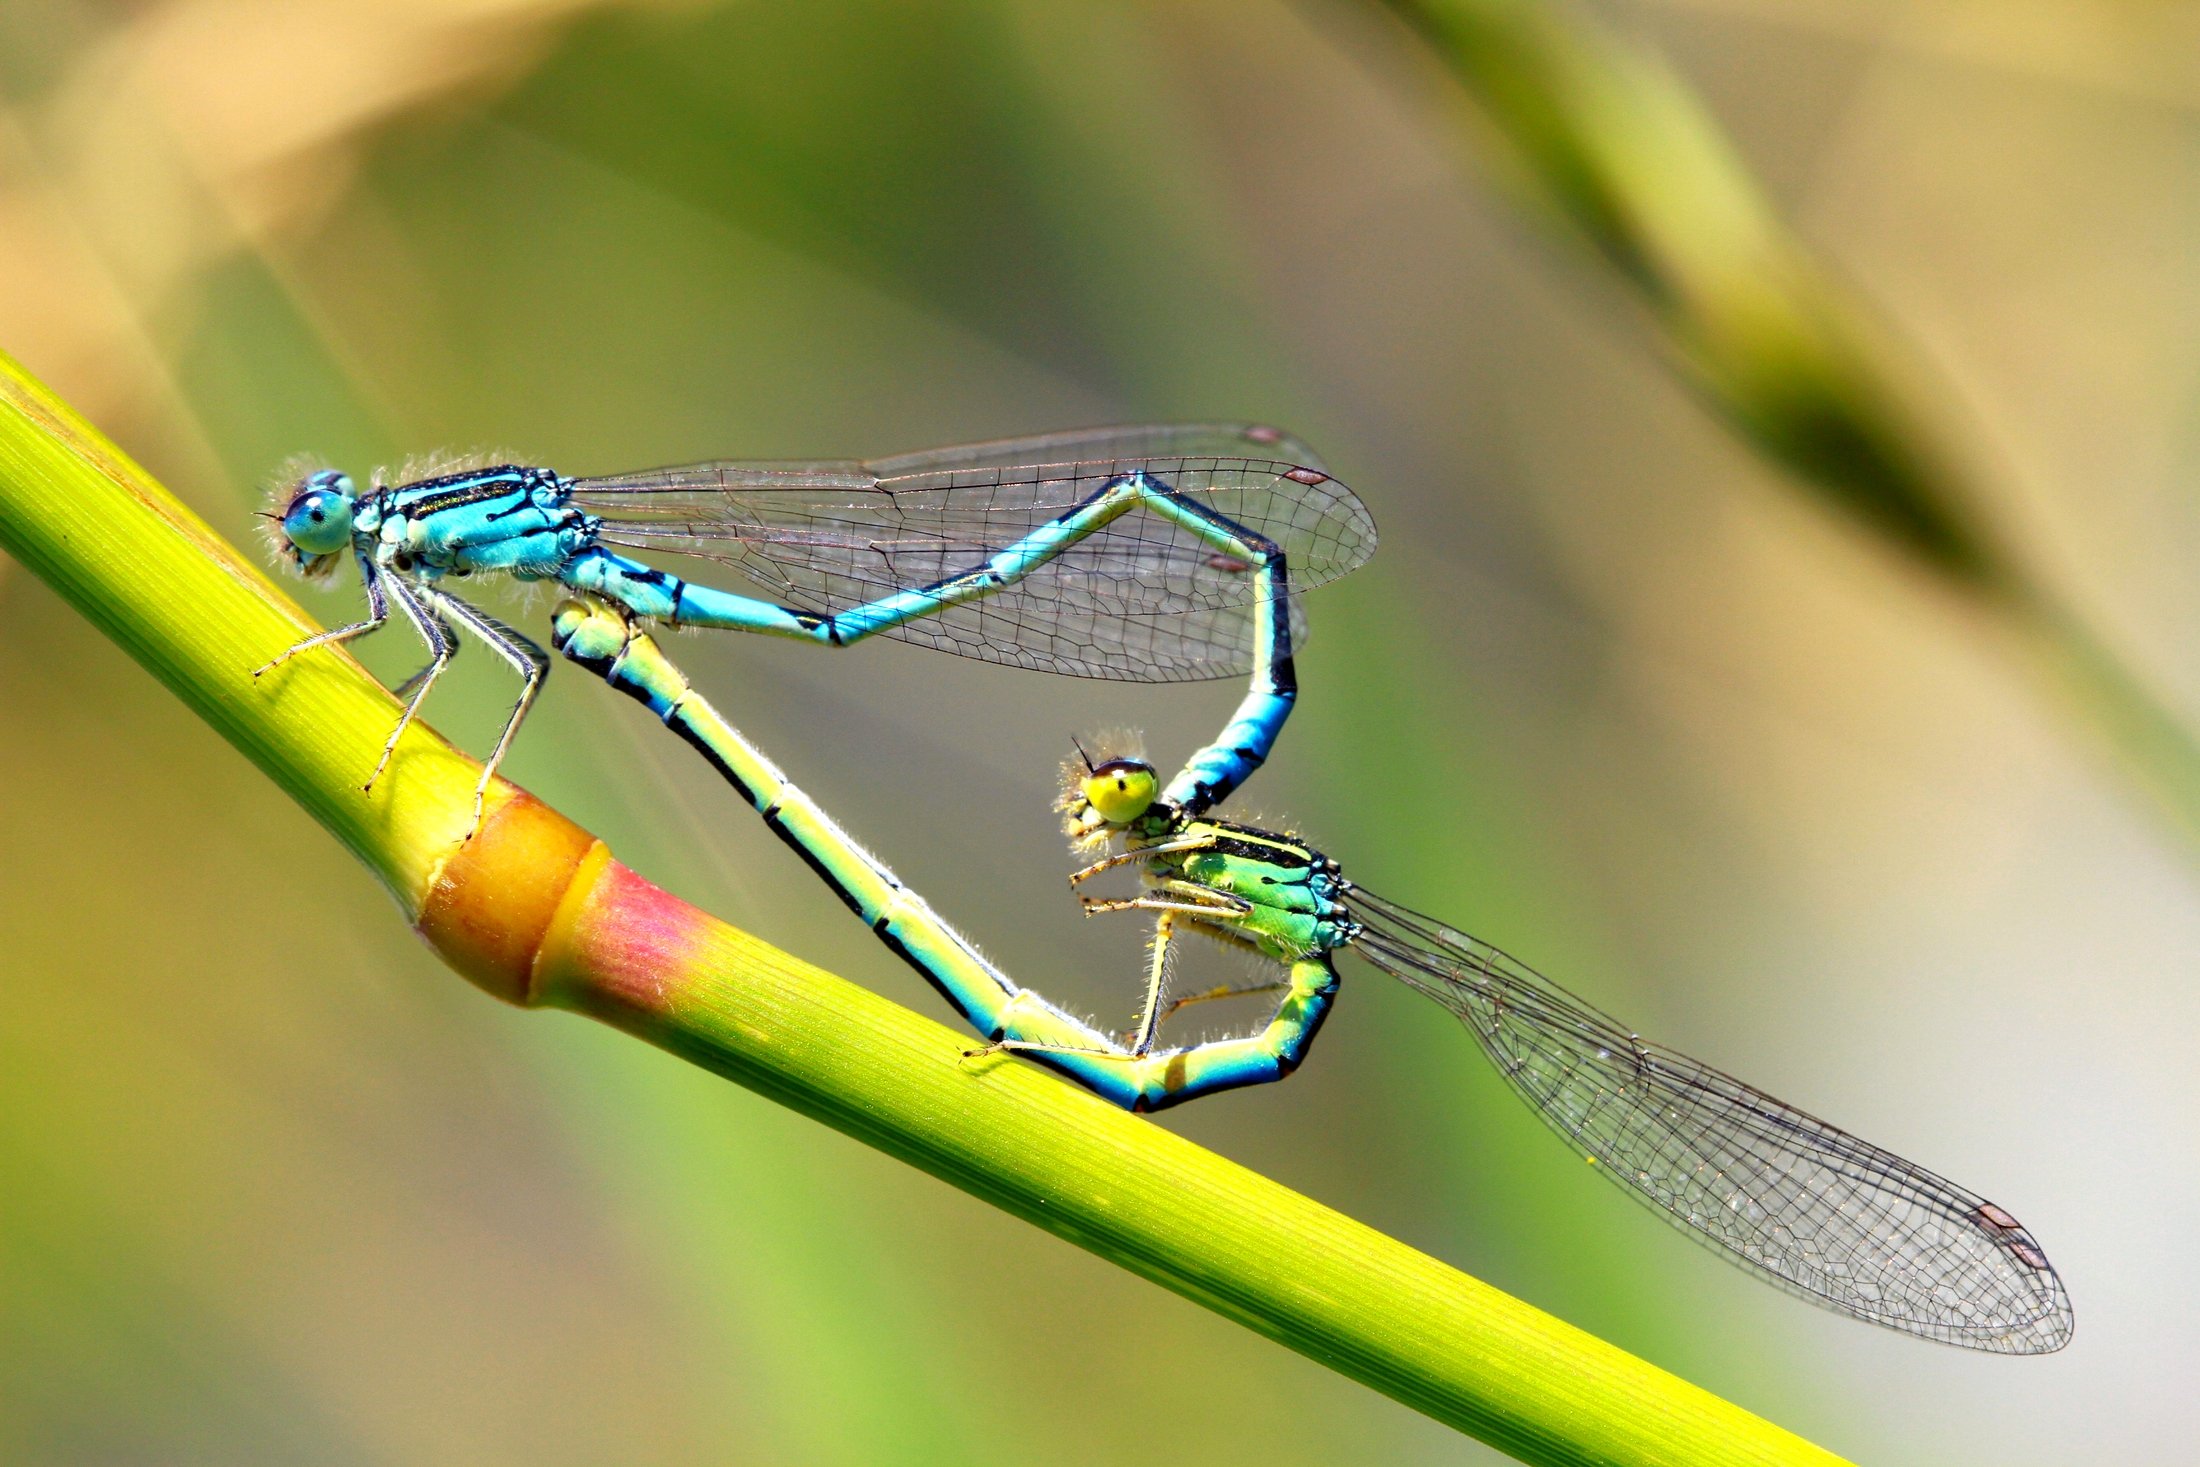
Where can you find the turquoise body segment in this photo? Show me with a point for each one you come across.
(999, 571)
(1213, 773)
(509, 519)
(659, 595)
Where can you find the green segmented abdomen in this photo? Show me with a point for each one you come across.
(596, 635)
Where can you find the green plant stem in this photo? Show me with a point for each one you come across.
(179, 599)
(534, 908)
(1597, 135)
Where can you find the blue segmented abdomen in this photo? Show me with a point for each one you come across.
(662, 596)
(999, 570)
(1214, 772)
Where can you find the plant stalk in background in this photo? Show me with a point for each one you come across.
(1601, 137)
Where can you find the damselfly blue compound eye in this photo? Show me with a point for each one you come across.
(318, 518)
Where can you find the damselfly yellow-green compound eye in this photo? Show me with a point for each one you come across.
(1121, 790)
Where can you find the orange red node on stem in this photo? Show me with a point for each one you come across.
(533, 903)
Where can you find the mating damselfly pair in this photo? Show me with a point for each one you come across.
(1147, 554)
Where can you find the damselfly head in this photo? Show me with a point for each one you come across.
(1118, 792)
(313, 525)
(1105, 786)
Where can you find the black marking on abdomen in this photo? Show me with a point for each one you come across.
(635, 691)
(688, 731)
(884, 929)
(601, 666)
(809, 857)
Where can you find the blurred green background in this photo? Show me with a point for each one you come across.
(274, 1187)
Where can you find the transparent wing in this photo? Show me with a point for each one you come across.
(1800, 1202)
(1142, 599)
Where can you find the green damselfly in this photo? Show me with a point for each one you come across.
(1797, 1201)
(1801, 1203)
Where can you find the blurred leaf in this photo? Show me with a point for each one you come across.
(1603, 136)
